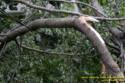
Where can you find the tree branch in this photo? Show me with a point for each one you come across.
(99, 10)
(78, 23)
(13, 13)
(67, 12)
(78, 2)
(48, 10)
(41, 51)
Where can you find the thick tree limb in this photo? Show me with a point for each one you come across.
(117, 36)
(78, 23)
(40, 23)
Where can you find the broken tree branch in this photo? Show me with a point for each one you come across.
(78, 23)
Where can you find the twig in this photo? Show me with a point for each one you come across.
(109, 18)
(112, 46)
(41, 51)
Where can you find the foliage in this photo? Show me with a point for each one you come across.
(20, 65)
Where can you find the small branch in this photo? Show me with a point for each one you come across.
(41, 51)
(99, 10)
(48, 10)
(75, 5)
(112, 46)
(13, 13)
(78, 2)
(68, 12)
(110, 19)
